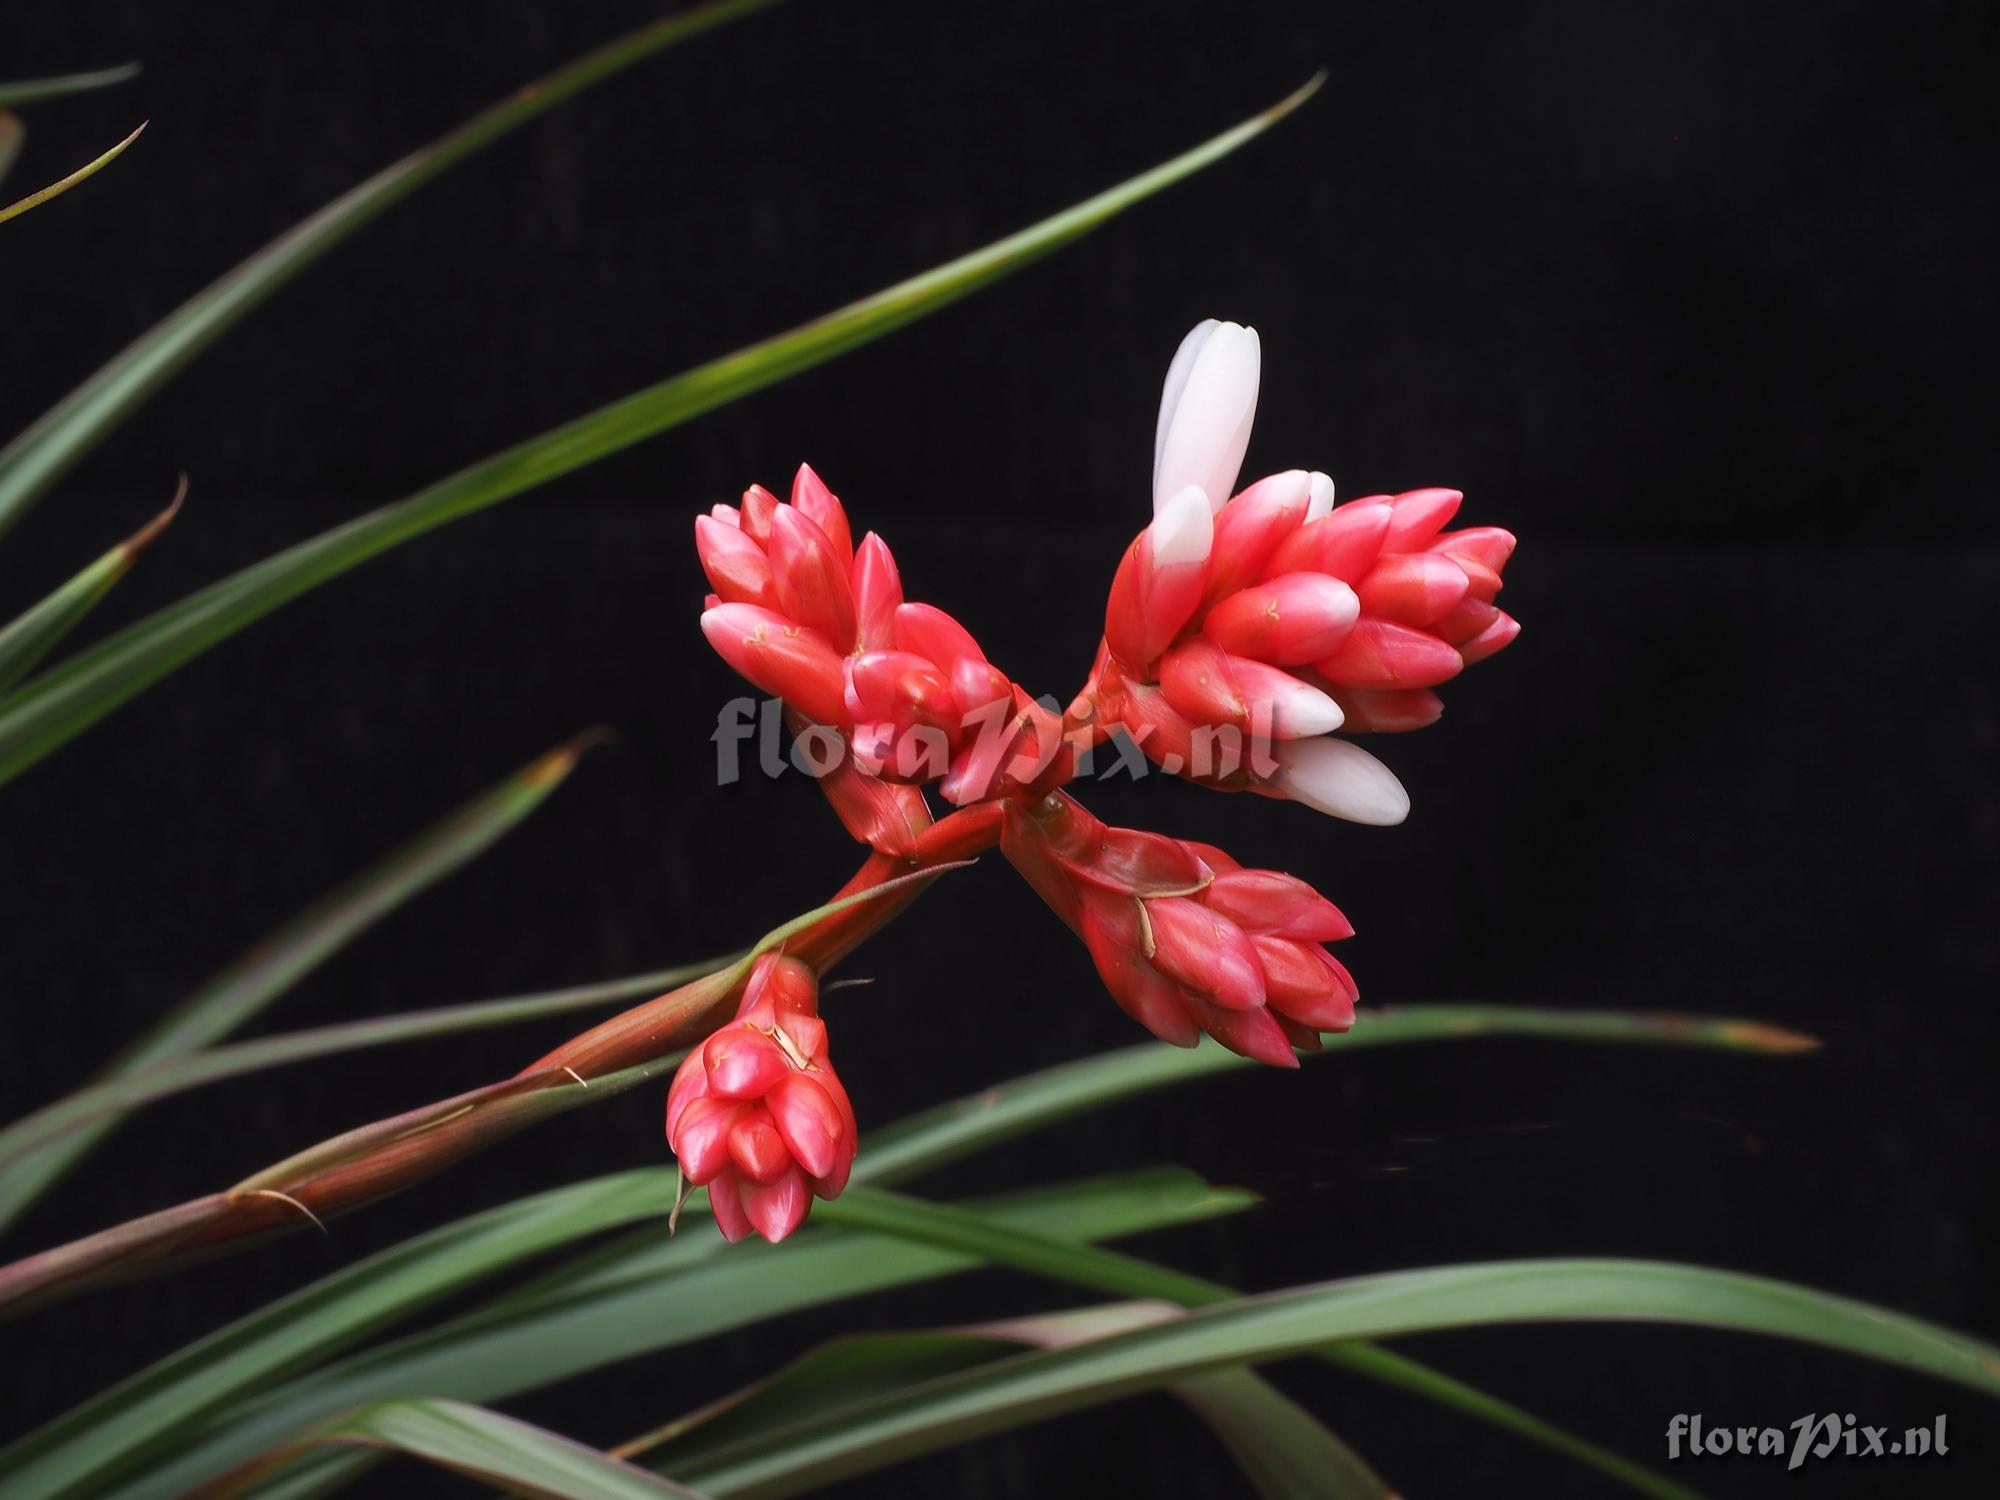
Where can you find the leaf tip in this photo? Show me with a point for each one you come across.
(146, 535)
(1760, 1036)
(559, 762)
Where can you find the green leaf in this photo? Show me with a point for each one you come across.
(38, 1149)
(824, 1379)
(73, 426)
(384, 1156)
(951, 1228)
(58, 188)
(34, 90)
(1058, 1093)
(175, 1421)
(25, 640)
(596, 1309)
(485, 1445)
(1283, 1450)
(1032, 1387)
(64, 702)
(127, 1091)
(1286, 1452)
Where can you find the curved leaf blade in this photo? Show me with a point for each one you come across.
(951, 1227)
(55, 708)
(36, 1150)
(1284, 1451)
(157, 1438)
(1031, 1387)
(82, 174)
(1069, 1089)
(42, 454)
(30, 636)
(177, 1075)
(34, 90)
(486, 1445)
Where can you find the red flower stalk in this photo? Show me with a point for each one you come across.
(1278, 617)
(1186, 939)
(810, 618)
(756, 1114)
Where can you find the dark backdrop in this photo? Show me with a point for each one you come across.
(1696, 298)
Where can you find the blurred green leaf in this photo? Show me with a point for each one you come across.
(33, 90)
(65, 701)
(127, 1091)
(57, 189)
(482, 1444)
(1031, 1387)
(1285, 1452)
(73, 426)
(25, 640)
(38, 1149)
(12, 133)
(202, 1411)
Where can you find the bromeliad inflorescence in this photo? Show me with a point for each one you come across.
(1239, 635)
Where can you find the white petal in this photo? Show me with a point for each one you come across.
(1183, 530)
(1203, 441)
(1322, 496)
(1296, 710)
(1170, 396)
(1304, 713)
(1341, 779)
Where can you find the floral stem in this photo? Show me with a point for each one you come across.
(362, 1166)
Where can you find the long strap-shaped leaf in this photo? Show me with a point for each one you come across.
(169, 1430)
(35, 1151)
(594, 1307)
(485, 1445)
(41, 455)
(1284, 1451)
(62, 185)
(34, 90)
(954, 1228)
(64, 702)
(125, 1092)
(1032, 1387)
(1057, 1093)
(30, 636)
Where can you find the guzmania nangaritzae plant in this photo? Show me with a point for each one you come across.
(1240, 634)
(1247, 636)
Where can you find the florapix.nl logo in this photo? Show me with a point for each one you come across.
(756, 731)
(1815, 1436)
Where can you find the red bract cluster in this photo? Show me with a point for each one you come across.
(809, 617)
(1239, 635)
(1186, 939)
(755, 1113)
(1296, 623)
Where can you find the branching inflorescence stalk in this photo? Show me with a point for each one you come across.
(363, 1166)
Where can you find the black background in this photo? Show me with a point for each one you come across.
(1695, 298)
